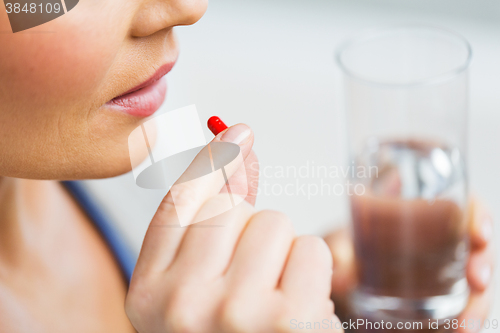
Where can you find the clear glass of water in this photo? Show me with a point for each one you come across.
(406, 100)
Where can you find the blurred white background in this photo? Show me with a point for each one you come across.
(271, 65)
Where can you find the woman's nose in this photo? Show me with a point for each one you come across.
(156, 15)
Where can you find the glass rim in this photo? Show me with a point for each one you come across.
(370, 34)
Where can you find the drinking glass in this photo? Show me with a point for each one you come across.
(406, 100)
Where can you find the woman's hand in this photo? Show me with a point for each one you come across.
(250, 275)
(479, 269)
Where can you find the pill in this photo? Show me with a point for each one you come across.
(216, 125)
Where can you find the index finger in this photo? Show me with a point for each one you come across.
(165, 232)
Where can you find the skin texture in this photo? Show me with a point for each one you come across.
(57, 274)
(252, 275)
(56, 78)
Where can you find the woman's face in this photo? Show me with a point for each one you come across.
(62, 110)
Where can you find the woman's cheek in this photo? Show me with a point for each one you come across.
(62, 62)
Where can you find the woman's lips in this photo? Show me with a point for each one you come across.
(146, 98)
(143, 102)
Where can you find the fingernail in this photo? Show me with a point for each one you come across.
(487, 228)
(238, 134)
(485, 275)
